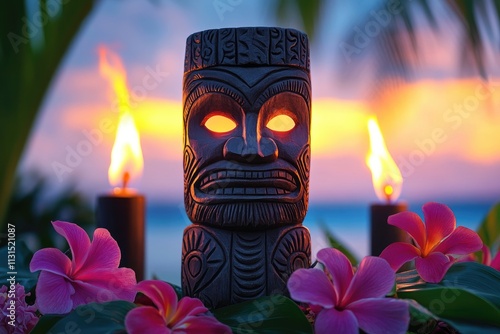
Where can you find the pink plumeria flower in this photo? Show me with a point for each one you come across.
(92, 274)
(17, 318)
(170, 317)
(495, 262)
(346, 301)
(436, 242)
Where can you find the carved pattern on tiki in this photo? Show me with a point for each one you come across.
(249, 266)
(292, 252)
(203, 258)
(246, 46)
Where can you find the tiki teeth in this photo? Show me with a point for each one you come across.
(271, 191)
(238, 191)
(248, 191)
(236, 174)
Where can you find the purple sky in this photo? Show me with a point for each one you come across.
(462, 163)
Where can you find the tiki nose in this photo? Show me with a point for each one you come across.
(255, 151)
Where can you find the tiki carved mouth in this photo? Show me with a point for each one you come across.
(238, 182)
(242, 184)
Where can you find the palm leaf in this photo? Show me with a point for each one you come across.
(467, 11)
(27, 70)
(32, 209)
(335, 243)
(309, 11)
(397, 48)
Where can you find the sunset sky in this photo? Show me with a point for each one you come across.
(442, 128)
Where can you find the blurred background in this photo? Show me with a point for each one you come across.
(429, 70)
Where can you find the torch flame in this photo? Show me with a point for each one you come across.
(386, 176)
(126, 156)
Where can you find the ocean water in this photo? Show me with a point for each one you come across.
(348, 222)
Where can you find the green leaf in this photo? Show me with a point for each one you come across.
(489, 230)
(105, 318)
(45, 323)
(455, 304)
(421, 319)
(472, 276)
(273, 314)
(27, 69)
(467, 297)
(333, 242)
(22, 260)
(308, 10)
(468, 11)
(469, 328)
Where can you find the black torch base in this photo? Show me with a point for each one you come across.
(383, 234)
(123, 216)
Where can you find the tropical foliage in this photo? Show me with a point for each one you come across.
(478, 20)
(34, 204)
(90, 291)
(34, 41)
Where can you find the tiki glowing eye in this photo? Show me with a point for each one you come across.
(281, 123)
(219, 124)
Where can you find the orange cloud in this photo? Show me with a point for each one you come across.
(456, 118)
(338, 127)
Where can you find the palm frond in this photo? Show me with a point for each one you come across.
(469, 12)
(33, 207)
(309, 11)
(28, 68)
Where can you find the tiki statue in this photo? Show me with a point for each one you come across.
(247, 109)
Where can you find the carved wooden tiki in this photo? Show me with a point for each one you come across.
(247, 109)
